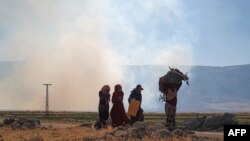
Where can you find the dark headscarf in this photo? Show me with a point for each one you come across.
(118, 87)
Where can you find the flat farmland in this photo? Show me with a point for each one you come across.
(242, 118)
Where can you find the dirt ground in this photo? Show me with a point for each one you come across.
(70, 131)
(211, 135)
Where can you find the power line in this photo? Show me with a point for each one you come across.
(47, 99)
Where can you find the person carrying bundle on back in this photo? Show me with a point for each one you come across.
(169, 85)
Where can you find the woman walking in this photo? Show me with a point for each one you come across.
(118, 114)
(103, 109)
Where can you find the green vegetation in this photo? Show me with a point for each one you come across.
(243, 118)
(59, 116)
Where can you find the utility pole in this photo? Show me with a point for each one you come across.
(47, 99)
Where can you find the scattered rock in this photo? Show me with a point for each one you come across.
(121, 133)
(211, 123)
(194, 124)
(27, 123)
(162, 133)
(127, 126)
(22, 123)
(179, 133)
(229, 119)
(16, 124)
(108, 137)
(140, 125)
(8, 121)
(130, 132)
(217, 122)
(153, 127)
(138, 133)
(139, 130)
(189, 132)
(121, 128)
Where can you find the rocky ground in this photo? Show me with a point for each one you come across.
(28, 129)
(52, 130)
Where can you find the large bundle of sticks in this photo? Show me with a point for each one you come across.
(174, 77)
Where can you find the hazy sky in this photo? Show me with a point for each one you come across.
(207, 32)
(78, 45)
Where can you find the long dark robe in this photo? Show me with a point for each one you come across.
(103, 107)
(118, 114)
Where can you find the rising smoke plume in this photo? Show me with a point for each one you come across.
(80, 46)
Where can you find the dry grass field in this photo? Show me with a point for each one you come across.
(61, 134)
(65, 126)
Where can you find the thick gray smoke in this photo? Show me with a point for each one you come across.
(71, 54)
(80, 46)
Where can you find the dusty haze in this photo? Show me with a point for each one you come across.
(81, 46)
